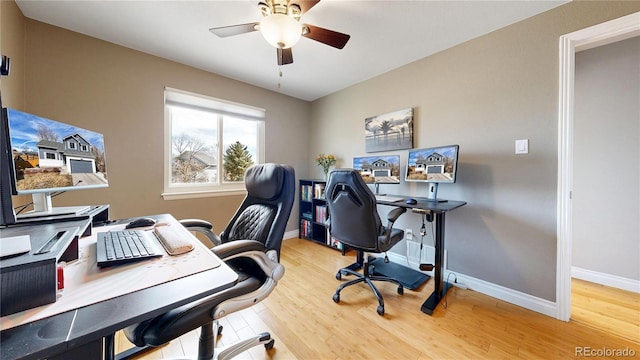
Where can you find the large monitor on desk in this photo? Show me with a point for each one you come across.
(48, 158)
(383, 169)
(7, 214)
(433, 165)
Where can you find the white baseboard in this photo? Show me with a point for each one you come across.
(291, 234)
(515, 297)
(605, 279)
(526, 301)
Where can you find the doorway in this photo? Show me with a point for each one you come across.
(598, 35)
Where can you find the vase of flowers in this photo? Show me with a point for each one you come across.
(326, 162)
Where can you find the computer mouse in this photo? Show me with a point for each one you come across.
(411, 201)
(140, 222)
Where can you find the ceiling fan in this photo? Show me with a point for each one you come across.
(281, 27)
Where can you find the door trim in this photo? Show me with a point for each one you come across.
(602, 34)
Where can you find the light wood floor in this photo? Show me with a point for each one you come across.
(307, 324)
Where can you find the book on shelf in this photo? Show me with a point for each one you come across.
(318, 191)
(333, 242)
(321, 214)
(306, 229)
(306, 192)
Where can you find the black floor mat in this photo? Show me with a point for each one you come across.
(409, 278)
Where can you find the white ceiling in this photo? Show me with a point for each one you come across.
(384, 35)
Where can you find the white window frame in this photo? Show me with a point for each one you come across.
(215, 106)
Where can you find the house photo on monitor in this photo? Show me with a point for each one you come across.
(383, 169)
(53, 156)
(435, 164)
(391, 131)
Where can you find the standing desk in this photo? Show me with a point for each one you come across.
(439, 209)
(84, 332)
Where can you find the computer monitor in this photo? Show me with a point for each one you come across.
(51, 157)
(383, 169)
(434, 166)
(7, 213)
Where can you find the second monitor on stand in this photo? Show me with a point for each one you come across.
(434, 166)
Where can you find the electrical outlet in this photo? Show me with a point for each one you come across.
(460, 285)
(408, 234)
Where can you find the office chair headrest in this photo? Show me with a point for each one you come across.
(264, 181)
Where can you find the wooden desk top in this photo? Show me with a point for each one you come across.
(97, 302)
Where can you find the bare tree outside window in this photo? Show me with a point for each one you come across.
(188, 165)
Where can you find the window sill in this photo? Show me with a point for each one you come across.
(202, 194)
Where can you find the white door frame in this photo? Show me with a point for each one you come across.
(591, 37)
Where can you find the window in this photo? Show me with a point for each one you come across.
(209, 143)
(50, 156)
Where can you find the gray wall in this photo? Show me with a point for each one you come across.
(117, 91)
(606, 237)
(482, 95)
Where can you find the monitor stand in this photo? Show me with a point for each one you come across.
(42, 207)
(433, 193)
(378, 190)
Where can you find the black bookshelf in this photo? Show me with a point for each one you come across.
(313, 213)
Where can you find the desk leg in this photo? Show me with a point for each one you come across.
(440, 288)
(109, 347)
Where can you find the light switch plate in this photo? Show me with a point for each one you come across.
(522, 146)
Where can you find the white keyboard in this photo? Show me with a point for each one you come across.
(388, 198)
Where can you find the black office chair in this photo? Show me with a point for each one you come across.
(250, 244)
(354, 221)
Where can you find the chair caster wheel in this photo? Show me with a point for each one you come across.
(336, 298)
(400, 290)
(380, 310)
(339, 275)
(270, 344)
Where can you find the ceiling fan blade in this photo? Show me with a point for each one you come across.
(328, 37)
(231, 30)
(305, 5)
(285, 56)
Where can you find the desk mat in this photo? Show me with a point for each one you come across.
(86, 284)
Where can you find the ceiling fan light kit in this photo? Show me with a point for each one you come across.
(282, 29)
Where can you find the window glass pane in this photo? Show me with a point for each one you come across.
(193, 146)
(240, 147)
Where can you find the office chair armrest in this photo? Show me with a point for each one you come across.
(202, 226)
(232, 248)
(267, 260)
(394, 214)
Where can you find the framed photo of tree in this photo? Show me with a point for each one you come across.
(391, 131)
